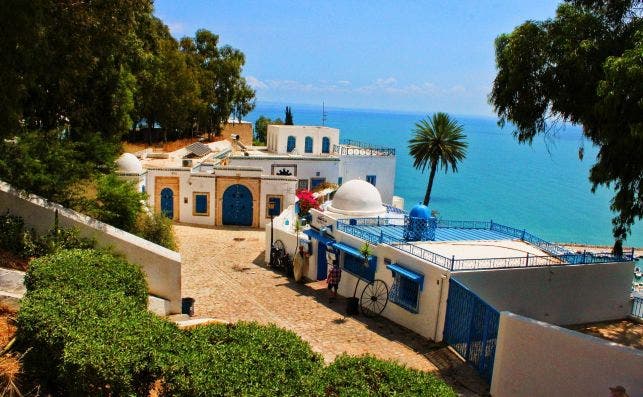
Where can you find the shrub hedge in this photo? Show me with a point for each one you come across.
(86, 331)
(243, 359)
(369, 376)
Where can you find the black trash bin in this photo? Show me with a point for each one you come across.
(187, 306)
(352, 306)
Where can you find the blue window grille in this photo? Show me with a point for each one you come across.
(354, 262)
(314, 182)
(200, 204)
(308, 147)
(406, 288)
(325, 145)
(371, 179)
(292, 143)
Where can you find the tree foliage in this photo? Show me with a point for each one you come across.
(584, 66)
(261, 127)
(437, 140)
(288, 119)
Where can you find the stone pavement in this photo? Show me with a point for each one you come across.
(224, 271)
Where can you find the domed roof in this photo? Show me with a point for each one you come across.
(128, 163)
(420, 211)
(357, 197)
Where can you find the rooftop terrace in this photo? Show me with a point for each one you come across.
(469, 245)
(349, 147)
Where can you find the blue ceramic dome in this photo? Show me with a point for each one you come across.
(420, 211)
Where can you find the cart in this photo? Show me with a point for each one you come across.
(280, 259)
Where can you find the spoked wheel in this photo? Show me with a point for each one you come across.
(374, 298)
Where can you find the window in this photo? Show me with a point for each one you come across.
(325, 145)
(340, 180)
(200, 206)
(371, 179)
(273, 205)
(355, 264)
(314, 182)
(302, 184)
(292, 143)
(406, 288)
(308, 145)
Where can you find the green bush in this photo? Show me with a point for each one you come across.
(11, 233)
(369, 376)
(243, 359)
(84, 342)
(118, 202)
(99, 271)
(157, 228)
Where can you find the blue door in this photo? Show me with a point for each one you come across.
(167, 202)
(237, 206)
(322, 264)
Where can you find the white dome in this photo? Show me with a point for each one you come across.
(129, 164)
(357, 197)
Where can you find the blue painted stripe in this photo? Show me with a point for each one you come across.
(349, 250)
(314, 234)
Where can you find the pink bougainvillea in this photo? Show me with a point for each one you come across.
(306, 201)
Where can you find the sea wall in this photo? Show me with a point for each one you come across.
(534, 358)
(569, 294)
(162, 267)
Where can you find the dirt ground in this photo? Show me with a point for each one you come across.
(625, 332)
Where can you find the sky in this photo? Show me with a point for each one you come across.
(417, 56)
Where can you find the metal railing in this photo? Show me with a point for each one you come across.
(393, 210)
(349, 147)
(637, 307)
(558, 255)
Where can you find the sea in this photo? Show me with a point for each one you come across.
(543, 187)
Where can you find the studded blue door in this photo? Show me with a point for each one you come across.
(167, 202)
(322, 264)
(237, 206)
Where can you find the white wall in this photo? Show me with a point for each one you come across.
(276, 185)
(383, 167)
(539, 359)
(162, 267)
(570, 294)
(327, 167)
(277, 137)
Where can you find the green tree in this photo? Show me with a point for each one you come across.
(223, 90)
(118, 202)
(585, 66)
(288, 119)
(261, 127)
(437, 140)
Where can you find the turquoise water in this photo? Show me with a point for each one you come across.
(543, 188)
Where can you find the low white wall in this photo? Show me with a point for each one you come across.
(570, 294)
(162, 267)
(539, 359)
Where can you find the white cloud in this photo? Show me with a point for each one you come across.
(256, 83)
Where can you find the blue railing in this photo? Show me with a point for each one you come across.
(350, 147)
(637, 307)
(558, 255)
(393, 210)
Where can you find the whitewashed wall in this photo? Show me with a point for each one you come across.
(162, 267)
(383, 167)
(327, 167)
(276, 185)
(570, 294)
(277, 137)
(539, 359)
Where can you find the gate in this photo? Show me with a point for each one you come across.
(237, 206)
(167, 202)
(471, 328)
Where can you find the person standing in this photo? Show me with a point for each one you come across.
(334, 276)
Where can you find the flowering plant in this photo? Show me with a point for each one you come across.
(306, 201)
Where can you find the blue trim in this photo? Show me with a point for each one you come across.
(314, 234)
(411, 275)
(350, 250)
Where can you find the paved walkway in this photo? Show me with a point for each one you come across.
(224, 271)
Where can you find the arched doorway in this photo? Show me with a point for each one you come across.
(167, 202)
(237, 206)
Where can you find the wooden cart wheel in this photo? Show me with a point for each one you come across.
(374, 298)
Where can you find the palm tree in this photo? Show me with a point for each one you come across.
(437, 140)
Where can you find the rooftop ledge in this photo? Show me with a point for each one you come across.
(473, 245)
(349, 147)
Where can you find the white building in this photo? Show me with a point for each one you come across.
(315, 155)
(450, 280)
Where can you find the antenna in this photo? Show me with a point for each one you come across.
(324, 114)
